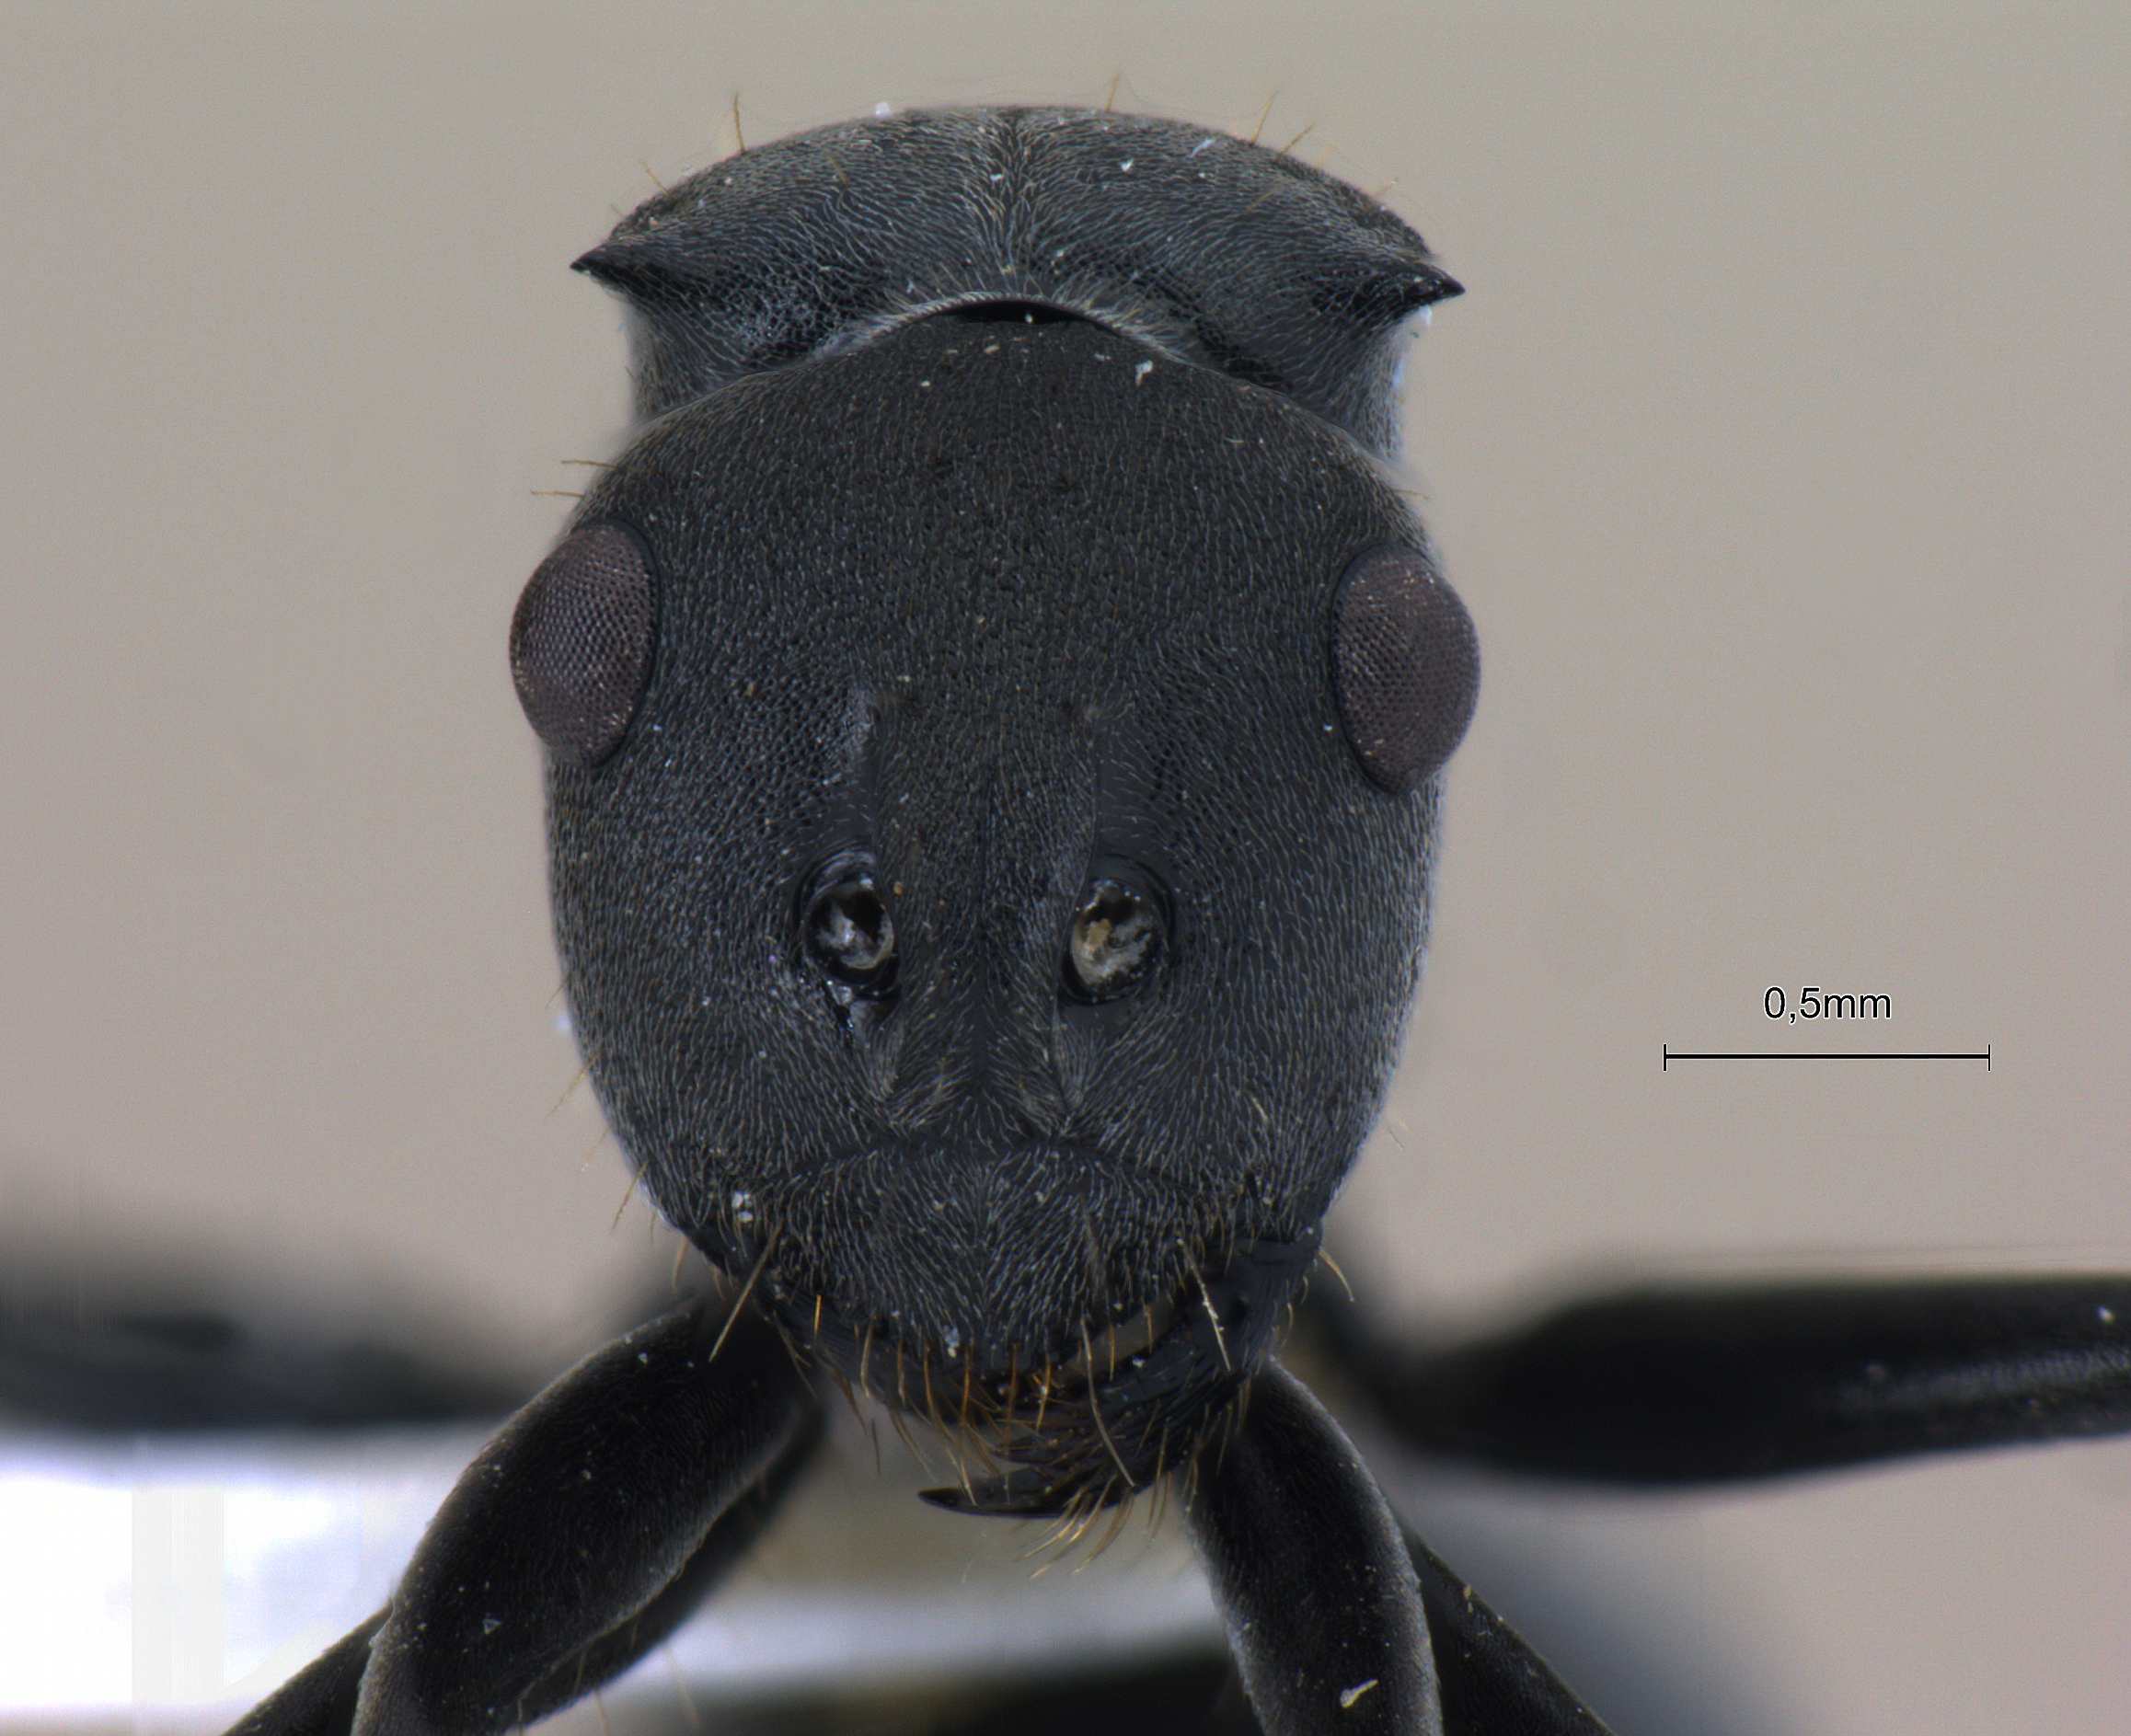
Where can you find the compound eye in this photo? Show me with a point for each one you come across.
(850, 935)
(581, 642)
(1117, 937)
(1405, 665)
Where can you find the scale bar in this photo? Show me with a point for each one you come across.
(1672, 1054)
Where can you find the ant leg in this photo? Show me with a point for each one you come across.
(1493, 1682)
(149, 1357)
(1320, 1596)
(581, 1535)
(1703, 1383)
(320, 1699)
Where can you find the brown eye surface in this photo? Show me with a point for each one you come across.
(1405, 665)
(850, 935)
(581, 642)
(1116, 937)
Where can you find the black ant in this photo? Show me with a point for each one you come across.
(995, 713)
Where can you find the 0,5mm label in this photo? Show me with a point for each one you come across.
(1812, 1001)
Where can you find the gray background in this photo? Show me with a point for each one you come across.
(1779, 450)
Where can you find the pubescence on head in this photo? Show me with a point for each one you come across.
(992, 799)
(1208, 249)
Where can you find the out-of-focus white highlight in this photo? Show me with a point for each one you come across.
(194, 1576)
(67, 1617)
(199, 1572)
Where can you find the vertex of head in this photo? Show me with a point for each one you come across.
(1217, 252)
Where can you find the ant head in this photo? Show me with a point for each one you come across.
(992, 779)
